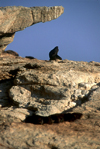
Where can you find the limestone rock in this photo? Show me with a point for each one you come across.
(31, 89)
(63, 96)
(92, 105)
(15, 113)
(11, 52)
(48, 88)
(13, 19)
(94, 99)
(44, 107)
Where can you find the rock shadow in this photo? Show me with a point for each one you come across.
(56, 118)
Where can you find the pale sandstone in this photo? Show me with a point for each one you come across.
(31, 83)
(13, 19)
(62, 95)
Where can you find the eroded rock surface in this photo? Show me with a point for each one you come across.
(60, 99)
(52, 87)
(62, 95)
(13, 19)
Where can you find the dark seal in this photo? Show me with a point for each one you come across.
(53, 54)
(30, 57)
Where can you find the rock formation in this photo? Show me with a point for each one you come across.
(63, 96)
(48, 104)
(11, 52)
(13, 19)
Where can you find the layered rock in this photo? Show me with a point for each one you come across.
(13, 19)
(47, 87)
(47, 92)
(51, 88)
(62, 95)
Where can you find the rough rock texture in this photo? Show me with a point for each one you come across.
(51, 88)
(11, 52)
(62, 95)
(45, 104)
(13, 19)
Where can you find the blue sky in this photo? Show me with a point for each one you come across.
(76, 32)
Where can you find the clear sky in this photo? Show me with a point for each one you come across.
(76, 32)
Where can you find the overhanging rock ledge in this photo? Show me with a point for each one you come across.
(13, 19)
